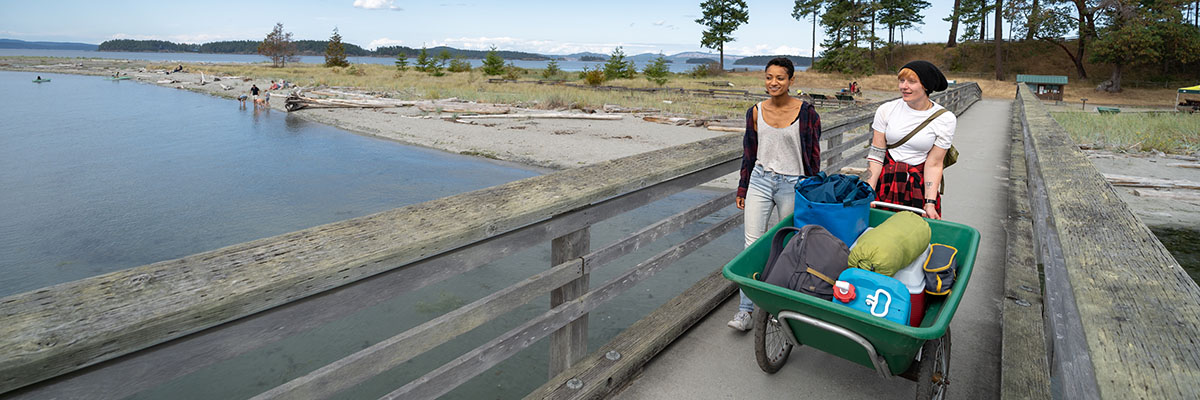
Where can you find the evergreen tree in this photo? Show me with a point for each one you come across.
(278, 46)
(492, 63)
(953, 20)
(335, 52)
(805, 7)
(901, 14)
(722, 17)
(657, 71)
(1143, 33)
(616, 67)
(552, 69)
(424, 62)
(401, 62)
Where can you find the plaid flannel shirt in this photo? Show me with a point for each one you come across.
(810, 143)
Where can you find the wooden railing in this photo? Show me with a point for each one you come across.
(130, 331)
(1122, 318)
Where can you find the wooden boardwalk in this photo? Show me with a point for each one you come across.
(714, 361)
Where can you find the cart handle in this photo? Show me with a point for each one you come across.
(898, 207)
(880, 364)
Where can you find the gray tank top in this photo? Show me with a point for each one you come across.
(779, 148)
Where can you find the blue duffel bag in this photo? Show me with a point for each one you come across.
(840, 203)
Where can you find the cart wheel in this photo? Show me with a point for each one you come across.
(933, 372)
(771, 345)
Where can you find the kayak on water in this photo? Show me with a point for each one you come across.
(40, 80)
(119, 79)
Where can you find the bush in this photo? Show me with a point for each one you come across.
(593, 77)
(458, 64)
(512, 72)
(851, 61)
(706, 70)
(355, 70)
(657, 71)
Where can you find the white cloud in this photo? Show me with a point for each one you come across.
(377, 4)
(377, 43)
(659, 22)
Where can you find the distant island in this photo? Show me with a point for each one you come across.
(762, 60)
(303, 48)
(317, 48)
(21, 44)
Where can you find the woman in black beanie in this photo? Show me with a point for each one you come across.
(912, 135)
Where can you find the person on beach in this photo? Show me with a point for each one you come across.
(781, 144)
(254, 93)
(909, 172)
(242, 99)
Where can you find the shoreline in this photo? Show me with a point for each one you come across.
(548, 144)
(557, 144)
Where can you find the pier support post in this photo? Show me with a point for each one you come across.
(569, 343)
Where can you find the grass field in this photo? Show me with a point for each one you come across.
(1165, 132)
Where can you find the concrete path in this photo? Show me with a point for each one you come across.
(711, 361)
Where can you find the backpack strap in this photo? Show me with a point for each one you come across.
(936, 114)
(776, 249)
(818, 274)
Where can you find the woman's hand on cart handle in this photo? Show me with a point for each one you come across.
(931, 212)
(740, 202)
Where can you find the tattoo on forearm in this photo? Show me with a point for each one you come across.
(928, 184)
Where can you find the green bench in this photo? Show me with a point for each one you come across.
(1108, 110)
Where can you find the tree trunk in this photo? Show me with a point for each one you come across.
(813, 53)
(1087, 28)
(1032, 28)
(1116, 79)
(891, 34)
(983, 28)
(951, 42)
(872, 37)
(722, 60)
(999, 41)
(1077, 60)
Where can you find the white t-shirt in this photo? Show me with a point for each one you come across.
(896, 119)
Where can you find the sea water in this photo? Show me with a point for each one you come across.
(98, 176)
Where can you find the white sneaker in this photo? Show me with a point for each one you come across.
(741, 321)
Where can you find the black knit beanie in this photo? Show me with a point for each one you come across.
(929, 75)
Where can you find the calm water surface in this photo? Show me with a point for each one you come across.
(97, 176)
(252, 58)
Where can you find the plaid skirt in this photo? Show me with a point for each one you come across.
(902, 184)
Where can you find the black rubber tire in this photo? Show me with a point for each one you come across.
(771, 345)
(933, 372)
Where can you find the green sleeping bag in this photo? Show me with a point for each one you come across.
(892, 245)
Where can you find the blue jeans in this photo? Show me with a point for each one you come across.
(769, 193)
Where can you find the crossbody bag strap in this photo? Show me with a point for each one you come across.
(919, 128)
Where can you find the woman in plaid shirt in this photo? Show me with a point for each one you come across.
(781, 145)
(910, 173)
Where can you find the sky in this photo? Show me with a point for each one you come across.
(547, 27)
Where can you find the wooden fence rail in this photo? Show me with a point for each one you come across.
(1121, 315)
(130, 331)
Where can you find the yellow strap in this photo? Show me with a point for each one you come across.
(820, 275)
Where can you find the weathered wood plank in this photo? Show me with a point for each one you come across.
(638, 344)
(569, 343)
(463, 368)
(1024, 372)
(354, 369)
(1139, 310)
(72, 325)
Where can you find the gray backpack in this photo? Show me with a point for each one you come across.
(809, 264)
